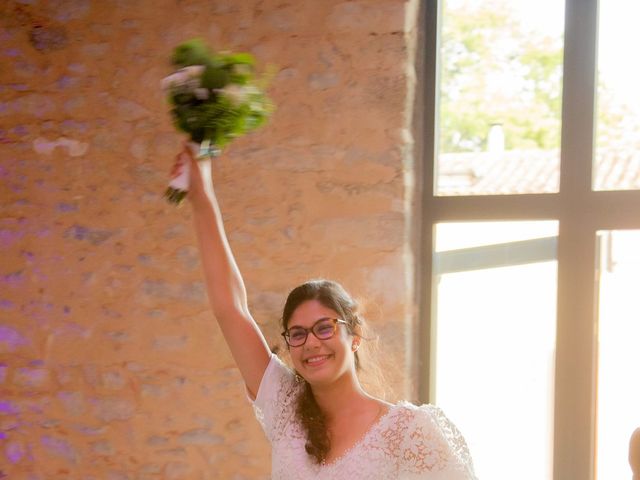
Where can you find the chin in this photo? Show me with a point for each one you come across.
(322, 374)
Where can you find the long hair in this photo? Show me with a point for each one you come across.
(332, 295)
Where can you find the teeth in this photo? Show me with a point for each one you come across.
(316, 359)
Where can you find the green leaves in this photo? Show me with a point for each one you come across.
(215, 77)
(215, 96)
(191, 52)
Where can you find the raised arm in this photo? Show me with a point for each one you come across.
(225, 287)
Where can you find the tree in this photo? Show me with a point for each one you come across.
(494, 70)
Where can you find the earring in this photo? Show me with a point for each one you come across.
(355, 347)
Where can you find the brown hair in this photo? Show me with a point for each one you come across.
(332, 295)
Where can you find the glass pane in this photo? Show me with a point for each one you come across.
(618, 122)
(500, 97)
(619, 351)
(494, 342)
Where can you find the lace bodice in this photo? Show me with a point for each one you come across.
(408, 443)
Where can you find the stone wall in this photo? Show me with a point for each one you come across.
(111, 364)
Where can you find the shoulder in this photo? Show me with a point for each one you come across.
(431, 441)
(278, 378)
(430, 421)
(277, 393)
(420, 415)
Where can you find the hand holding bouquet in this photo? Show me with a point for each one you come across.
(214, 99)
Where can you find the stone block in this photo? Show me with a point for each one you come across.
(31, 378)
(109, 409)
(60, 447)
(200, 437)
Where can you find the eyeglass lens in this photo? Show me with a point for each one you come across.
(323, 330)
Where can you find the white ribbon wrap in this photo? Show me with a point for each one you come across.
(181, 177)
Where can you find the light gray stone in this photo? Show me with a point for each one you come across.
(189, 256)
(109, 409)
(200, 436)
(151, 390)
(65, 10)
(31, 377)
(10, 338)
(102, 447)
(73, 402)
(129, 110)
(46, 38)
(92, 235)
(113, 380)
(170, 342)
(59, 447)
(322, 81)
(177, 470)
(157, 440)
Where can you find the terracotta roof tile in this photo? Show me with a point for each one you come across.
(528, 171)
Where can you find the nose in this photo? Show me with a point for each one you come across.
(312, 341)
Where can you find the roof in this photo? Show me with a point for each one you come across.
(529, 171)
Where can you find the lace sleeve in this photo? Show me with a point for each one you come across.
(434, 448)
(275, 401)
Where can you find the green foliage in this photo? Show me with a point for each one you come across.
(225, 101)
(220, 121)
(213, 77)
(495, 71)
(191, 52)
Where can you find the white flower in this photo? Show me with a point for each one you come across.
(242, 69)
(236, 93)
(201, 93)
(187, 76)
(170, 81)
(193, 71)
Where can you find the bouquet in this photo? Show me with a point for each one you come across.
(215, 98)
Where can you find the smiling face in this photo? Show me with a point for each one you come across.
(321, 362)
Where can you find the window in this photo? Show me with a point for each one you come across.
(618, 413)
(580, 219)
(495, 302)
(617, 159)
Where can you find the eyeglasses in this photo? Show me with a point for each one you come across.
(323, 329)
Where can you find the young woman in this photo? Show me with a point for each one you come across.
(319, 420)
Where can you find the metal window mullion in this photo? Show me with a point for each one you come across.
(427, 74)
(574, 412)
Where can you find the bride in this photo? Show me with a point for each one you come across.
(320, 421)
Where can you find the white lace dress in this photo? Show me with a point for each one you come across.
(407, 443)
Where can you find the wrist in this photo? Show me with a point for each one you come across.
(200, 199)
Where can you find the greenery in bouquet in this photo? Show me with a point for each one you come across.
(215, 97)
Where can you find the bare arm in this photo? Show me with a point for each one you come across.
(634, 454)
(225, 287)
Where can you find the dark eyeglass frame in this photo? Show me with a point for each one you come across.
(287, 333)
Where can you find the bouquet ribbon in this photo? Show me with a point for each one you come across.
(181, 173)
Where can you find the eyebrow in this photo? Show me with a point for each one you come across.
(312, 324)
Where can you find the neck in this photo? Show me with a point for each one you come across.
(341, 397)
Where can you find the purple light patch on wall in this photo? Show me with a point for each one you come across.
(66, 207)
(11, 337)
(59, 447)
(8, 407)
(15, 452)
(6, 304)
(7, 237)
(13, 278)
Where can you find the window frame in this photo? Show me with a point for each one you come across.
(580, 211)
